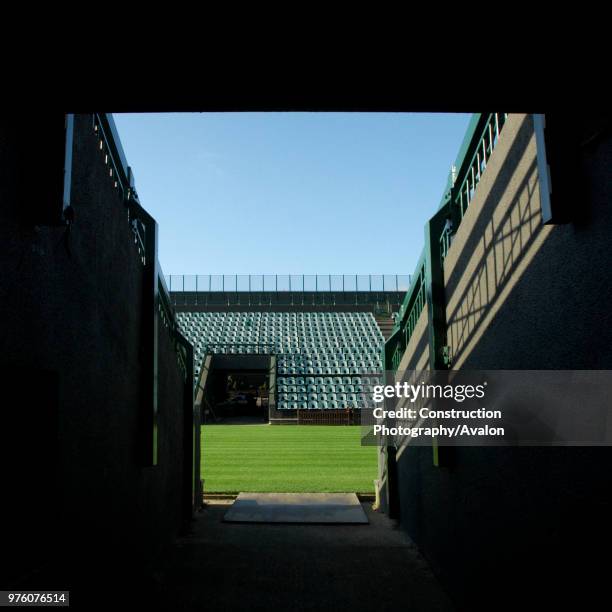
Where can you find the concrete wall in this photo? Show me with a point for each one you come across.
(71, 351)
(520, 525)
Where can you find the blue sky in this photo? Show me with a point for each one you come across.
(290, 193)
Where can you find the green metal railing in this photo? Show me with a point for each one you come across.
(475, 161)
(407, 317)
(168, 319)
(481, 138)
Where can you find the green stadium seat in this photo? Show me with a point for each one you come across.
(314, 345)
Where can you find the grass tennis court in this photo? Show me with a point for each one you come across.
(291, 459)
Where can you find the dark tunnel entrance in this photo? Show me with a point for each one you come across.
(237, 390)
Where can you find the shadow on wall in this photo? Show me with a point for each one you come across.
(505, 246)
(521, 525)
(497, 248)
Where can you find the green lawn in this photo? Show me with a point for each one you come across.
(283, 458)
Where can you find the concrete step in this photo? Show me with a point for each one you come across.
(385, 324)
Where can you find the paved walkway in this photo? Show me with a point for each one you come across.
(226, 567)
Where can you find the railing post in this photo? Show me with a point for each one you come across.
(191, 436)
(149, 345)
(436, 306)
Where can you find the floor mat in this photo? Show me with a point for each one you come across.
(333, 508)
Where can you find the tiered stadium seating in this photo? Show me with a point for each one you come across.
(324, 360)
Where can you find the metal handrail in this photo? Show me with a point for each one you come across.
(482, 137)
(407, 318)
(477, 157)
